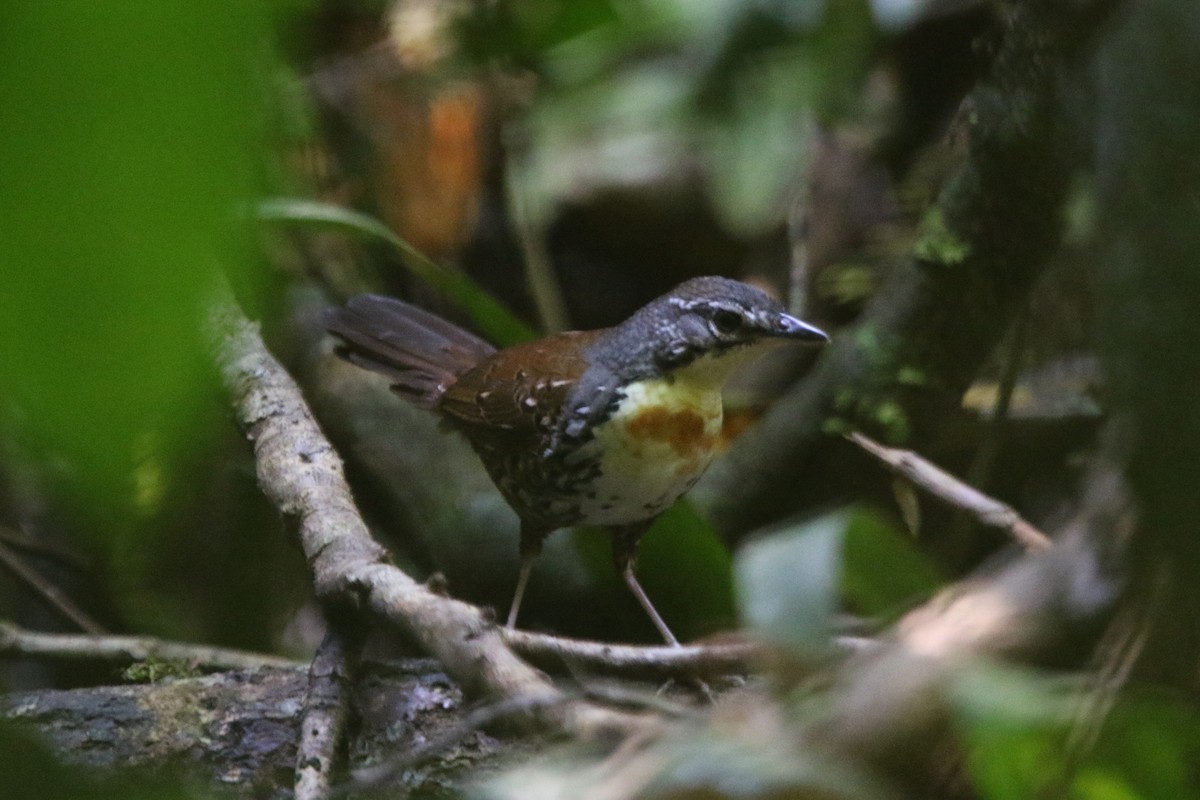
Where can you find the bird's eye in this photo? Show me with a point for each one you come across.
(727, 321)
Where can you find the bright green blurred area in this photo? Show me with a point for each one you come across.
(792, 582)
(1027, 737)
(128, 135)
(646, 91)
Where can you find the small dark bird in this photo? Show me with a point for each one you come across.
(605, 427)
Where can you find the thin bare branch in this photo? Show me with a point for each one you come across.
(633, 661)
(16, 642)
(949, 489)
(48, 592)
(24, 543)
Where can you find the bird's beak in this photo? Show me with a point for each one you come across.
(791, 328)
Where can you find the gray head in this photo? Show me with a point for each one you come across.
(700, 317)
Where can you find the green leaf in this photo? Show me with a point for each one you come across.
(787, 582)
(1148, 748)
(791, 583)
(883, 572)
(1016, 723)
(1000, 696)
(494, 320)
(128, 137)
(753, 765)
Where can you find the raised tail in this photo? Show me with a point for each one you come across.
(420, 352)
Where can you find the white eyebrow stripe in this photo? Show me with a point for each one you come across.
(719, 304)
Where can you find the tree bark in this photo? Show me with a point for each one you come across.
(239, 729)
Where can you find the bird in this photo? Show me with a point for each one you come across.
(604, 427)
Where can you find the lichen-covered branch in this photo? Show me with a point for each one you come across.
(326, 709)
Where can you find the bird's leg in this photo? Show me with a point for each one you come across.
(526, 567)
(624, 549)
(632, 582)
(531, 546)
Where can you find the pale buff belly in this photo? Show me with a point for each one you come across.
(655, 446)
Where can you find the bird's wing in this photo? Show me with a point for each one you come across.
(420, 352)
(522, 388)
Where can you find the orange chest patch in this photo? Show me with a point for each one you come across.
(657, 443)
(663, 428)
(685, 430)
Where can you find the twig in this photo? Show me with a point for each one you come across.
(951, 490)
(302, 475)
(49, 592)
(18, 642)
(326, 708)
(19, 541)
(655, 663)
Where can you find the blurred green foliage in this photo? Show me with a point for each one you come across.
(27, 770)
(787, 583)
(131, 136)
(630, 90)
(128, 135)
(715, 765)
(792, 582)
(1031, 734)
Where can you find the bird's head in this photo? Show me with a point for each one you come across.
(706, 320)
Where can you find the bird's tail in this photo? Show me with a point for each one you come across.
(420, 352)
